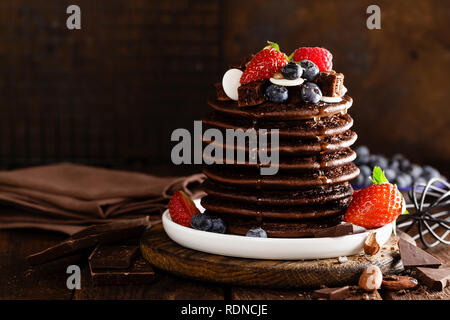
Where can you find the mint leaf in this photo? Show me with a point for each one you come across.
(378, 176)
(274, 45)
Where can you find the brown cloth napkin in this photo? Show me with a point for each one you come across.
(68, 197)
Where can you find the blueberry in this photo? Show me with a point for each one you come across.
(277, 94)
(218, 226)
(390, 174)
(359, 181)
(311, 93)
(292, 71)
(377, 160)
(394, 164)
(404, 165)
(363, 159)
(430, 172)
(362, 151)
(415, 171)
(201, 221)
(364, 176)
(257, 233)
(310, 70)
(404, 180)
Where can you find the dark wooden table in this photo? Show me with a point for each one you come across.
(20, 281)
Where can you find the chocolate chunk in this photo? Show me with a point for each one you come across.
(332, 293)
(331, 83)
(335, 231)
(90, 237)
(413, 256)
(140, 272)
(243, 63)
(221, 95)
(113, 256)
(251, 94)
(435, 279)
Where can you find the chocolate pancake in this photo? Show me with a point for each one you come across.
(315, 195)
(310, 161)
(298, 212)
(288, 112)
(324, 126)
(299, 146)
(327, 176)
(277, 228)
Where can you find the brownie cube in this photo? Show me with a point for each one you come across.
(221, 95)
(251, 94)
(331, 83)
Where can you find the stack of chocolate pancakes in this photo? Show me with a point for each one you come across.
(311, 189)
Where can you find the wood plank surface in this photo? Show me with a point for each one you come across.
(165, 254)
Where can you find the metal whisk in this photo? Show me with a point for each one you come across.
(429, 210)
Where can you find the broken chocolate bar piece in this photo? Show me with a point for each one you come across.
(140, 272)
(335, 231)
(113, 256)
(332, 293)
(90, 238)
(251, 94)
(413, 256)
(331, 83)
(221, 95)
(435, 279)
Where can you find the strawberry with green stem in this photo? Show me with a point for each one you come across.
(376, 205)
(264, 64)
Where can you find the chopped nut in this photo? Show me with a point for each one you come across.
(278, 75)
(371, 278)
(342, 259)
(371, 245)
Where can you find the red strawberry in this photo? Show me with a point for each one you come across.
(264, 64)
(376, 205)
(320, 56)
(182, 208)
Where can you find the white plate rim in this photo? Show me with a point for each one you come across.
(268, 248)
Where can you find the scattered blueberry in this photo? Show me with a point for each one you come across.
(390, 174)
(430, 172)
(377, 160)
(292, 71)
(394, 164)
(404, 180)
(415, 171)
(257, 233)
(310, 70)
(201, 221)
(218, 226)
(277, 94)
(311, 93)
(404, 164)
(362, 151)
(397, 169)
(360, 180)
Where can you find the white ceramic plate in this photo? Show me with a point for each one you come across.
(268, 248)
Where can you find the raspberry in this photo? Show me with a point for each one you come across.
(320, 56)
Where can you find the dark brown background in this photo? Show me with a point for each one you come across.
(111, 93)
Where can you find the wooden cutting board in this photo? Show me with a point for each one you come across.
(166, 255)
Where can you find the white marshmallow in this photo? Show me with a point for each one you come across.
(231, 81)
(286, 82)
